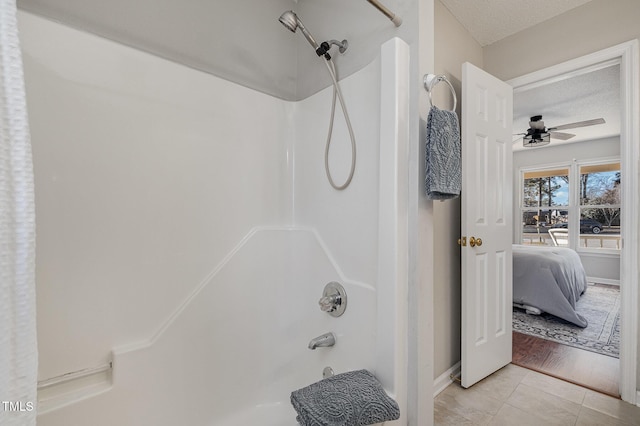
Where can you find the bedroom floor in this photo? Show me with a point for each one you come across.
(589, 369)
(518, 396)
(579, 365)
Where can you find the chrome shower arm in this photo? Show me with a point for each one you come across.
(342, 45)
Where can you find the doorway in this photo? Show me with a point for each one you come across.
(626, 56)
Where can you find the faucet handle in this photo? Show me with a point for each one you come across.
(329, 303)
(334, 299)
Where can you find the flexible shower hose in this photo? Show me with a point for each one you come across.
(336, 91)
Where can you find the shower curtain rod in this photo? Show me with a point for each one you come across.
(397, 21)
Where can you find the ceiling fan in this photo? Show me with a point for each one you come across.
(538, 135)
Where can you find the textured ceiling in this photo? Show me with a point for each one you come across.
(595, 94)
(491, 20)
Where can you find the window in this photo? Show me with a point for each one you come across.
(584, 196)
(600, 206)
(545, 203)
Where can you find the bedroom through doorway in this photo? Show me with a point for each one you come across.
(568, 198)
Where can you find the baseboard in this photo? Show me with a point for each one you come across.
(603, 281)
(445, 379)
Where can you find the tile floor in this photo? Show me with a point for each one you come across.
(515, 396)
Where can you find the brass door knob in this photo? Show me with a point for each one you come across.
(473, 241)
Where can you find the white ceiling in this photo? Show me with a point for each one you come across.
(489, 21)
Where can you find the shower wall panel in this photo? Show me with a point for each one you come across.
(147, 174)
(348, 219)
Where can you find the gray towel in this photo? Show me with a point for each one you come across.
(355, 398)
(443, 157)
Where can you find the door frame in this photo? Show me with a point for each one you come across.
(626, 54)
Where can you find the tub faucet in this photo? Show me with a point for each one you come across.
(327, 339)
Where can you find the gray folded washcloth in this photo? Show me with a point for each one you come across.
(443, 157)
(355, 398)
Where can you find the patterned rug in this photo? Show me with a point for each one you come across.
(600, 305)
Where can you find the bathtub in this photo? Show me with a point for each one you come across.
(239, 349)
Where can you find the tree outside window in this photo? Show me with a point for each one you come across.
(600, 191)
(546, 203)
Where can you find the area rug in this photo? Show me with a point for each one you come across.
(600, 305)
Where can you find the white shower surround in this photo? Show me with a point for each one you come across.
(237, 344)
(241, 348)
(268, 287)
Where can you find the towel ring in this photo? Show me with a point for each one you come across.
(430, 80)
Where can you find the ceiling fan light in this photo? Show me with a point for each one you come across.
(538, 139)
(537, 125)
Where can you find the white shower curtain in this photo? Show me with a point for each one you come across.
(18, 348)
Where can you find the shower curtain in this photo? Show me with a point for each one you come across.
(18, 348)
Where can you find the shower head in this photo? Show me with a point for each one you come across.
(290, 20)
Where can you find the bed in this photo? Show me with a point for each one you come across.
(548, 279)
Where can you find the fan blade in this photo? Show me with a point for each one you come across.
(561, 136)
(578, 124)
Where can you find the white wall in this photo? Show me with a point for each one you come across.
(144, 182)
(603, 266)
(453, 47)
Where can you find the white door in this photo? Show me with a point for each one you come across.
(487, 114)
